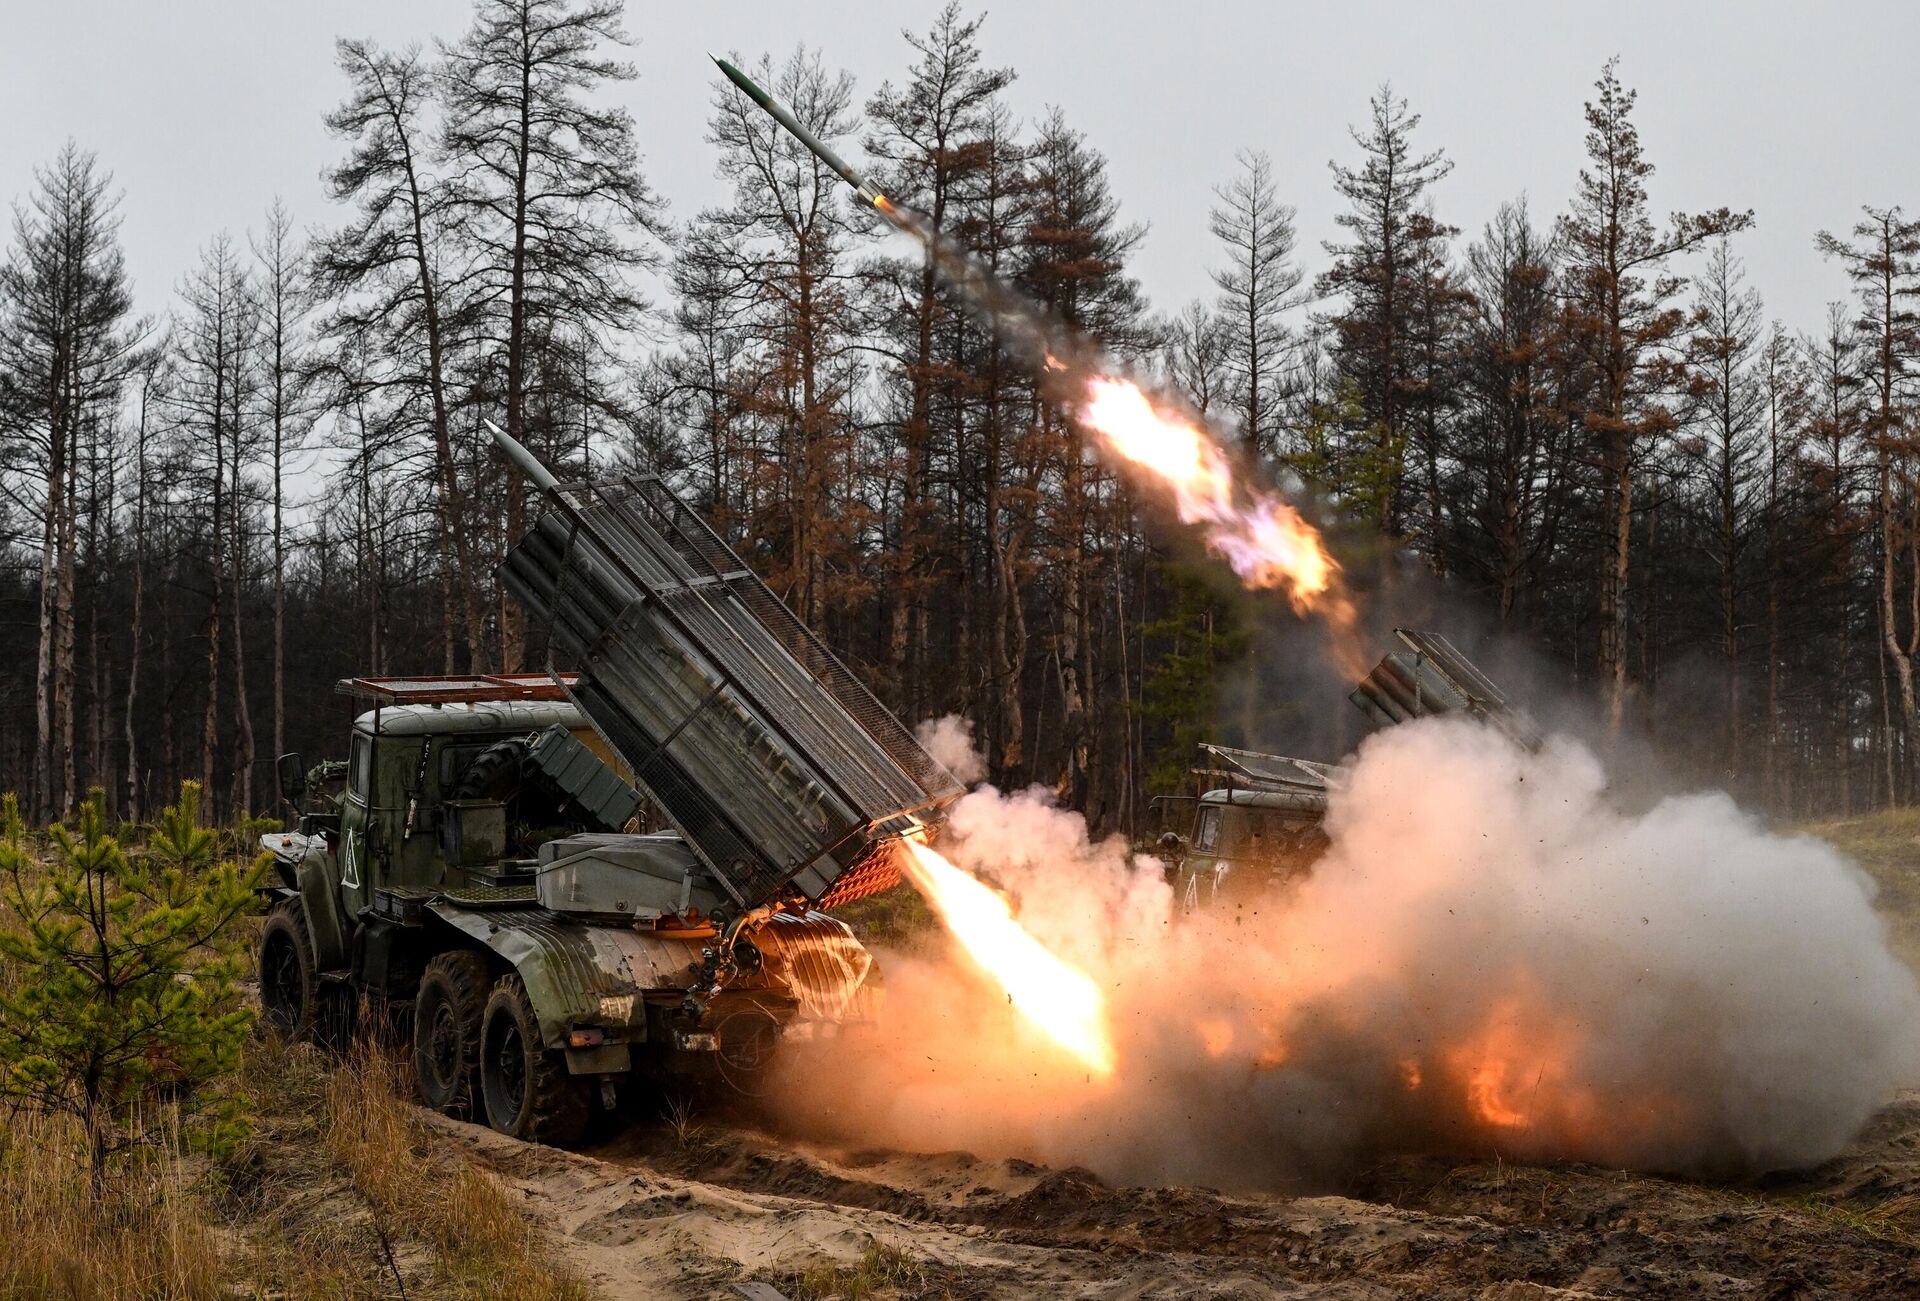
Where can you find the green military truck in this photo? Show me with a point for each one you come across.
(1253, 826)
(479, 864)
(1255, 821)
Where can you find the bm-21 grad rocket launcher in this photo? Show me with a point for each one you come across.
(784, 775)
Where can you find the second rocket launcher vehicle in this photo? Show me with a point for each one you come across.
(784, 775)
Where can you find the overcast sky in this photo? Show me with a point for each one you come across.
(206, 109)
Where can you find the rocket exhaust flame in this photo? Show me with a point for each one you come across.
(1051, 993)
(1268, 542)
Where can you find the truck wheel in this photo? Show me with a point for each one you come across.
(526, 1087)
(446, 1030)
(747, 1042)
(294, 999)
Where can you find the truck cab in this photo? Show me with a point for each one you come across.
(1244, 843)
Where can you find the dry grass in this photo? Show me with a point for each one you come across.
(341, 1193)
(481, 1247)
(1887, 845)
(881, 1270)
(150, 1235)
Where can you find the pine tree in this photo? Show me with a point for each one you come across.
(1075, 263)
(1259, 284)
(926, 140)
(1883, 261)
(1376, 276)
(1197, 358)
(1625, 326)
(1510, 442)
(384, 278)
(786, 234)
(66, 345)
(547, 199)
(1727, 460)
(127, 1003)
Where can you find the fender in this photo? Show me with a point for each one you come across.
(579, 975)
(315, 880)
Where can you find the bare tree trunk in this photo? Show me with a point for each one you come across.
(1613, 603)
(137, 614)
(244, 756)
(66, 680)
(1891, 648)
(43, 751)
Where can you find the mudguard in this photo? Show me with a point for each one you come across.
(316, 879)
(577, 974)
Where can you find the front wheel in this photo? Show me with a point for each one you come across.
(294, 999)
(525, 1085)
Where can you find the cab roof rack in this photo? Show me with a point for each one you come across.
(461, 689)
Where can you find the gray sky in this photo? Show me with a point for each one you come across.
(206, 109)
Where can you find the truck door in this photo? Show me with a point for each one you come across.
(355, 814)
(1201, 868)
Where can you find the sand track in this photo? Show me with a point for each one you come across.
(644, 1215)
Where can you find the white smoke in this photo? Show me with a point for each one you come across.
(949, 739)
(1489, 958)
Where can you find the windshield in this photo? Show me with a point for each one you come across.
(1206, 832)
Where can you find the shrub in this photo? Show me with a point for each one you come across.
(123, 1010)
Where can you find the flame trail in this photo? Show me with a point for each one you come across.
(1049, 991)
(1266, 540)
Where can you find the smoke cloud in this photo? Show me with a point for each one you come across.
(949, 739)
(1490, 958)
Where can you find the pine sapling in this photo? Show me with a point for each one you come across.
(125, 1010)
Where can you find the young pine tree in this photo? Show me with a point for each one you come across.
(125, 996)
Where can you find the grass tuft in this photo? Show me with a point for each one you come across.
(881, 1268)
(482, 1247)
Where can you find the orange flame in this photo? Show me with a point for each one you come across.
(1268, 542)
(1050, 992)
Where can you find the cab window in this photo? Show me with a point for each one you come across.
(1206, 833)
(360, 768)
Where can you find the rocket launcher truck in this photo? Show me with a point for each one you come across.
(477, 865)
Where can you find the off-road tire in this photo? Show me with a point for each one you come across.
(496, 773)
(294, 999)
(748, 1041)
(446, 1031)
(526, 1089)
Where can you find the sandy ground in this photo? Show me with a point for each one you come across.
(647, 1214)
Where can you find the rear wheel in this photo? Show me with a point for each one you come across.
(526, 1087)
(746, 1042)
(294, 999)
(446, 1030)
